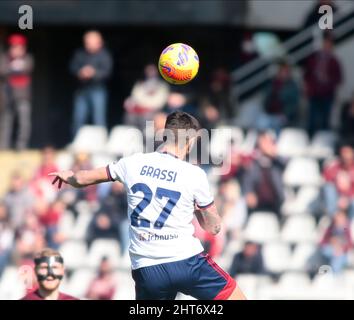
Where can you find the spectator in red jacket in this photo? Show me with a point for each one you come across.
(103, 286)
(338, 190)
(16, 68)
(323, 75)
(49, 270)
(337, 242)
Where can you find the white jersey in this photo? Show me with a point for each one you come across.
(161, 191)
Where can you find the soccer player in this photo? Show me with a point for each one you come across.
(49, 269)
(163, 193)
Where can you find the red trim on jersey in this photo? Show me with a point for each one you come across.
(109, 173)
(230, 286)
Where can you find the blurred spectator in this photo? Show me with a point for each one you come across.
(49, 216)
(179, 101)
(248, 50)
(92, 66)
(83, 162)
(337, 242)
(347, 121)
(263, 183)
(114, 202)
(49, 271)
(281, 100)
(323, 75)
(41, 184)
(219, 93)
(6, 237)
(148, 97)
(30, 238)
(249, 260)
(209, 115)
(47, 165)
(18, 200)
(16, 67)
(338, 190)
(106, 221)
(103, 287)
(236, 163)
(232, 208)
(314, 16)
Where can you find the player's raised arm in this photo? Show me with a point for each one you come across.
(81, 178)
(209, 219)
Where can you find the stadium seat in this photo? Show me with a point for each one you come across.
(12, 287)
(292, 142)
(125, 286)
(101, 160)
(303, 202)
(220, 140)
(248, 284)
(294, 280)
(66, 224)
(89, 138)
(300, 228)
(104, 248)
(302, 172)
(301, 255)
(79, 282)
(124, 141)
(276, 257)
(74, 253)
(64, 160)
(82, 222)
(322, 144)
(262, 227)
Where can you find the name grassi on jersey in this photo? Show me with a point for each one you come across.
(156, 237)
(158, 173)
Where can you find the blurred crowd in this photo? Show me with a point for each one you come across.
(31, 210)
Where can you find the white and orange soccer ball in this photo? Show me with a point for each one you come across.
(178, 63)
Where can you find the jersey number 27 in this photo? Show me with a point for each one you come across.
(173, 197)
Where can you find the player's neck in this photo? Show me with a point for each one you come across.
(48, 295)
(174, 151)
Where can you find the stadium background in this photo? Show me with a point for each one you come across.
(217, 30)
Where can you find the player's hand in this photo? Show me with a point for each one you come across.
(60, 177)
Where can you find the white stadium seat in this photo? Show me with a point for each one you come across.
(104, 248)
(302, 202)
(322, 145)
(292, 142)
(276, 257)
(91, 139)
(12, 286)
(300, 228)
(64, 160)
(294, 280)
(125, 286)
(301, 256)
(79, 282)
(262, 227)
(220, 140)
(124, 141)
(74, 253)
(302, 172)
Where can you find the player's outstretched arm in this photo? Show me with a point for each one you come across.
(81, 178)
(209, 219)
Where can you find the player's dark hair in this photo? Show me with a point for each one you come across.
(180, 120)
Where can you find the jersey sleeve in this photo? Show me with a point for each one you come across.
(116, 170)
(202, 194)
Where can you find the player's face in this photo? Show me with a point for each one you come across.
(50, 283)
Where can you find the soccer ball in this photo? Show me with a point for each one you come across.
(178, 63)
